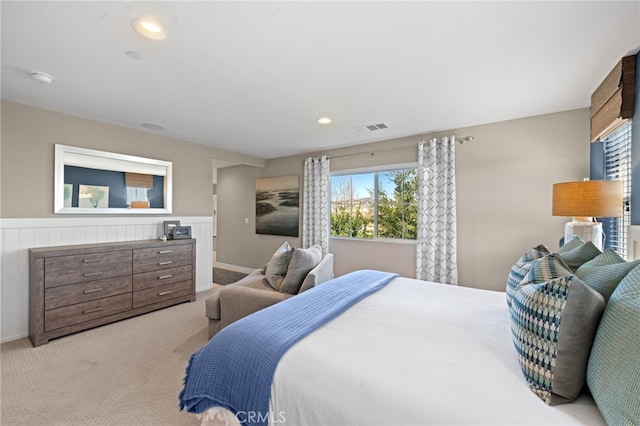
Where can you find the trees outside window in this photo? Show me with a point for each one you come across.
(375, 205)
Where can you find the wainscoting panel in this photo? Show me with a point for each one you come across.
(18, 235)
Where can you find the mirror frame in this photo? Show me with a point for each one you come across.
(58, 182)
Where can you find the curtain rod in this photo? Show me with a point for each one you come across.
(397, 148)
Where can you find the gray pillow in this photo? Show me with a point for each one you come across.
(277, 267)
(302, 261)
(613, 374)
(553, 325)
(604, 272)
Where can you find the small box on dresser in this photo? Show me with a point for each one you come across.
(77, 287)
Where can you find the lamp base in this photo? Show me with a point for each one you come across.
(585, 228)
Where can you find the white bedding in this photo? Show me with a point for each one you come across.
(414, 353)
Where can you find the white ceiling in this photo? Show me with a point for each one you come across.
(253, 77)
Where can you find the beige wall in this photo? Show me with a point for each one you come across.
(504, 179)
(27, 159)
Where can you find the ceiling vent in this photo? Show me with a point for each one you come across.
(372, 127)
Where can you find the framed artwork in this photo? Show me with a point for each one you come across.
(168, 228)
(91, 196)
(278, 206)
(181, 232)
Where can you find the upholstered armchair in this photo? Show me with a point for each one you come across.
(289, 272)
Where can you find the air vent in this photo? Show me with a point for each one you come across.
(372, 127)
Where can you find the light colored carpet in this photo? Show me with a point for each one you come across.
(126, 373)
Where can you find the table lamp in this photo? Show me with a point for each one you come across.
(584, 201)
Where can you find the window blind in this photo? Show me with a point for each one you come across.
(617, 166)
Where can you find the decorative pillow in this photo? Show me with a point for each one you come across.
(302, 261)
(605, 271)
(613, 374)
(579, 255)
(575, 242)
(553, 325)
(277, 267)
(546, 268)
(521, 267)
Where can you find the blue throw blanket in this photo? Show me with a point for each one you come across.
(235, 369)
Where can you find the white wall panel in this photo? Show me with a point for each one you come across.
(18, 235)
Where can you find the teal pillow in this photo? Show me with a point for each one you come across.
(613, 374)
(521, 267)
(605, 271)
(575, 242)
(553, 324)
(277, 267)
(579, 255)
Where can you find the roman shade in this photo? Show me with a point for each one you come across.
(139, 180)
(612, 102)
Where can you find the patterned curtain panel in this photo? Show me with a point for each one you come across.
(436, 245)
(315, 208)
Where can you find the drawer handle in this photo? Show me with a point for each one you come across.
(164, 277)
(93, 290)
(91, 260)
(92, 274)
(164, 293)
(168, 262)
(165, 251)
(88, 311)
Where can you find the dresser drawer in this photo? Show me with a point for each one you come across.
(81, 312)
(64, 270)
(159, 294)
(64, 295)
(150, 259)
(161, 277)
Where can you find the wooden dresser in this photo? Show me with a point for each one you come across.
(73, 288)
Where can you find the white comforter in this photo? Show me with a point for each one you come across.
(414, 353)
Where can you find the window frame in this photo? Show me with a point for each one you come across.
(376, 170)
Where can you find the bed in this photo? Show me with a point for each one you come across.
(407, 353)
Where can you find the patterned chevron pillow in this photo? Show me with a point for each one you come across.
(521, 267)
(553, 324)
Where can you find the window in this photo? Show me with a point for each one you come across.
(375, 205)
(617, 166)
(137, 194)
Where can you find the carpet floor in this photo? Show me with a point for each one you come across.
(125, 373)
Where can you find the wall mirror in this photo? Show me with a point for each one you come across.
(98, 182)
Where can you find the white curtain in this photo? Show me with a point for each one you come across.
(436, 245)
(315, 208)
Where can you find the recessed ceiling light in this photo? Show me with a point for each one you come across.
(42, 77)
(324, 120)
(152, 126)
(148, 28)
